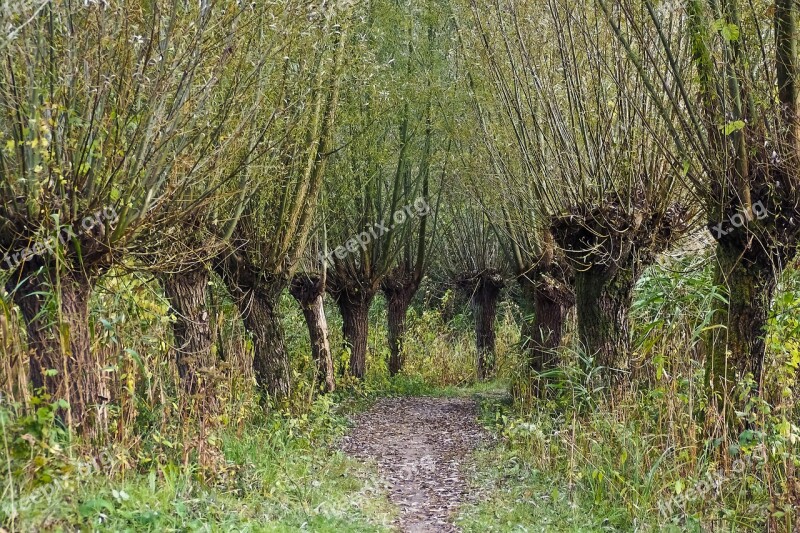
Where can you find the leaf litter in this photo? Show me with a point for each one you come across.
(422, 447)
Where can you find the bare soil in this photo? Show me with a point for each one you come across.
(422, 448)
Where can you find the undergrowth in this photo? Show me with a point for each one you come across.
(583, 459)
(276, 473)
(578, 459)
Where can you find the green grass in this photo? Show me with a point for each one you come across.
(513, 493)
(516, 497)
(578, 461)
(277, 473)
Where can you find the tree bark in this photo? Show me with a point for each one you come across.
(30, 295)
(85, 387)
(398, 304)
(603, 297)
(270, 359)
(541, 335)
(484, 300)
(257, 298)
(354, 307)
(399, 288)
(739, 347)
(61, 362)
(187, 293)
(309, 291)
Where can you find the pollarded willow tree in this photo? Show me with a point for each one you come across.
(308, 288)
(473, 257)
(379, 215)
(180, 251)
(438, 75)
(600, 186)
(401, 283)
(544, 276)
(737, 111)
(272, 232)
(108, 119)
(379, 223)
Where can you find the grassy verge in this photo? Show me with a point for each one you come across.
(558, 470)
(512, 493)
(276, 473)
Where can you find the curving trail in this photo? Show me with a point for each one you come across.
(421, 447)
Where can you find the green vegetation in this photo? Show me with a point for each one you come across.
(274, 473)
(229, 228)
(577, 461)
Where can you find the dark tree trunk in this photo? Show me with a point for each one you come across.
(549, 300)
(270, 359)
(603, 297)
(309, 292)
(85, 390)
(398, 304)
(62, 347)
(354, 307)
(399, 288)
(739, 347)
(608, 245)
(257, 298)
(485, 296)
(187, 292)
(31, 295)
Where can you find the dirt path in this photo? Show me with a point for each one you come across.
(421, 447)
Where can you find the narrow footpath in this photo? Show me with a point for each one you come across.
(422, 448)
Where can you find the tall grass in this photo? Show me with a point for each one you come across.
(637, 458)
(583, 458)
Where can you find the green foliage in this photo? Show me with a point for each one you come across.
(200, 123)
(279, 473)
(636, 459)
(34, 444)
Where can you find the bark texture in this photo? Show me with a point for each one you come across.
(399, 286)
(61, 361)
(187, 295)
(484, 289)
(30, 295)
(309, 290)
(739, 348)
(354, 307)
(257, 298)
(548, 294)
(270, 359)
(603, 300)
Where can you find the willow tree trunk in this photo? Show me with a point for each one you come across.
(738, 348)
(62, 363)
(309, 292)
(354, 308)
(603, 297)
(399, 289)
(484, 300)
(270, 359)
(187, 295)
(30, 295)
(542, 333)
(257, 298)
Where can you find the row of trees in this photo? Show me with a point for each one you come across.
(623, 125)
(348, 149)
